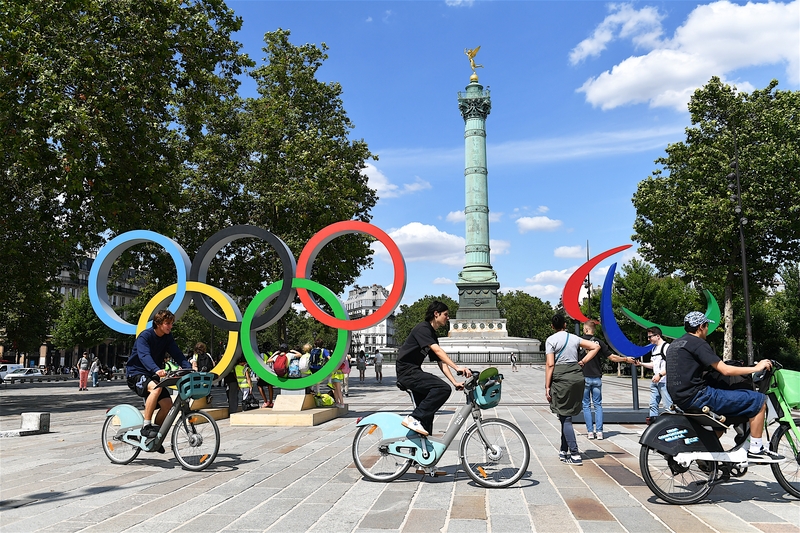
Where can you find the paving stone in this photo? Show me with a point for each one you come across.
(468, 507)
(425, 520)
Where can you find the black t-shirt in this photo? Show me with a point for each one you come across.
(687, 359)
(594, 368)
(418, 345)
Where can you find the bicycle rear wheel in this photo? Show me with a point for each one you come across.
(787, 472)
(674, 483)
(501, 461)
(373, 459)
(195, 440)
(117, 450)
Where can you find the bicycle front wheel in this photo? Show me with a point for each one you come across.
(673, 482)
(195, 440)
(787, 472)
(373, 459)
(117, 450)
(499, 461)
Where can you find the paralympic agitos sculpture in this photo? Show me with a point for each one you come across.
(614, 335)
(263, 310)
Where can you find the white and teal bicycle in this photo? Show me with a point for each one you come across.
(195, 438)
(494, 453)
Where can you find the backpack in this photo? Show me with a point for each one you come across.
(318, 358)
(323, 400)
(204, 362)
(303, 363)
(281, 365)
(294, 368)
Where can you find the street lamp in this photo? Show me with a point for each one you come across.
(737, 197)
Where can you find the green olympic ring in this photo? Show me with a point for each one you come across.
(248, 337)
(712, 313)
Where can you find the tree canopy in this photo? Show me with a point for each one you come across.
(526, 316)
(685, 218)
(100, 100)
(411, 315)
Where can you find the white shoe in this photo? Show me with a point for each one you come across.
(599, 435)
(414, 425)
(590, 435)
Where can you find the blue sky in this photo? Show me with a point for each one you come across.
(585, 96)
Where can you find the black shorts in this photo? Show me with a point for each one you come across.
(139, 382)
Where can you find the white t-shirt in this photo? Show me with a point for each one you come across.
(659, 359)
(378, 358)
(556, 342)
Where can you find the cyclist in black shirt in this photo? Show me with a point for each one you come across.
(429, 392)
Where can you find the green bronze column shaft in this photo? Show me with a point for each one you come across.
(477, 282)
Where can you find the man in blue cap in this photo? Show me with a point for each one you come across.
(688, 357)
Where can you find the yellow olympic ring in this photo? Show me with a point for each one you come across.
(227, 304)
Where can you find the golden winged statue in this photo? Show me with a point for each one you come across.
(471, 55)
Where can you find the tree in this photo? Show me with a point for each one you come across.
(78, 324)
(527, 316)
(411, 315)
(685, 220)
(284, 162)
(100, 101)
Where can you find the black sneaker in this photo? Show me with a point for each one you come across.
(150, 431)
(764, 456)
(574, 460)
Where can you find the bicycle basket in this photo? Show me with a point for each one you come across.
(487, 393)
(789, 384)
(195, 385)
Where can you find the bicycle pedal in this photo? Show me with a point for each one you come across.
(435, 473)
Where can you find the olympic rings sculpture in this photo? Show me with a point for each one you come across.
(264, 310)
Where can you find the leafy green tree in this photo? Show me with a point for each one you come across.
(78, 324)
(685, 219)
(100, 101)
(411, 315)
(527, 316)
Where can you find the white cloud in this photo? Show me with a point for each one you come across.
(455, 216)
(542, 209)
(716, 39)
(459, 3)
(575, 252)
(642, 26)
(369, 19)
(458, 216)
(547, 293)
(526, 224)
(550, 277)
(387, 189)
(443, 281)
(387, 15)
(423, 242)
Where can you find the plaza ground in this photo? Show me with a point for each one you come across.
(282, 479)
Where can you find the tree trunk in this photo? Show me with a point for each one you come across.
(727, 351)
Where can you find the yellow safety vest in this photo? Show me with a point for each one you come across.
(240, 376)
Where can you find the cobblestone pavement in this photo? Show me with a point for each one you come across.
(303, 479)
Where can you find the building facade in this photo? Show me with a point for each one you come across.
(363, 301)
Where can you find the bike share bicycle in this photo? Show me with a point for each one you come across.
(493, 452)
(682, 458)
(195, 438)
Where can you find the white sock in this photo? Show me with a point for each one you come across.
(147, 423)
(756, 444)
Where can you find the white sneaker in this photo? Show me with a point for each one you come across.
(414, 425)
(599, 435)
(590, 435)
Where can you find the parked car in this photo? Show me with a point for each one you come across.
(23, 373)
(5, 368)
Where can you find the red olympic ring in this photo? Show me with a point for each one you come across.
(326, 235)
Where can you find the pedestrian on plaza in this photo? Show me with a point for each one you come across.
(243, 380)
(564, 382)
(346, 371)
(361, 364)
(83, 370)
(260, 383)
(513, 358)
(336, 382)
(378, 365)
(94, 370)
(592, 381)
(202, 360)
(658, 363)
